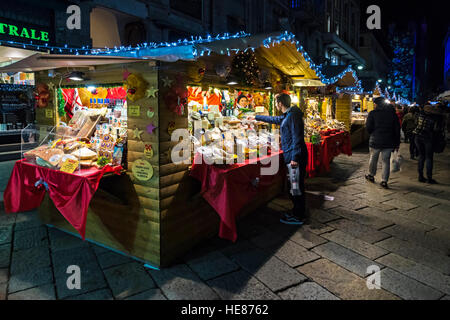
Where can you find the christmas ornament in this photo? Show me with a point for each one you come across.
(126, 74)
(167, 82)
(148, 151)
(137, 87)
(177, 98)
(171, 128)
(137, 134)
(223, 70)
(151, 128)
(196, 71)
(42, 95)
(151, 93)
(150, 112)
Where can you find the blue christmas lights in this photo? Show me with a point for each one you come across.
(196, 52)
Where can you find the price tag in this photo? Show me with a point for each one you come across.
(134, 111)
(49, 113)
(69, 166)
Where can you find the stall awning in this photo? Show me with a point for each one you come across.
(38, 62)
(345, 76)
(280, 50)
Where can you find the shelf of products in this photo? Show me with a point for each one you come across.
(219, 127)
(359, 118)
(93, 138)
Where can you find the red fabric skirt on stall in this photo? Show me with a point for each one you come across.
(229, 188)
(71, 193)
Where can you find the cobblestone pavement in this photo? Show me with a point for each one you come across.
(404, 230)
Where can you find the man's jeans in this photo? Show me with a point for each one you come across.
(386, 162)
(425, 147)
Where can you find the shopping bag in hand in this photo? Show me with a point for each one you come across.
(294, 179)
(396, 161)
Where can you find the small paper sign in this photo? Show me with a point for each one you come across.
(49, 113)
(69, 166)
(260, 110)
(134, 111)
(142, 170)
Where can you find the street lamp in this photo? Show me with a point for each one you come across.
(380, 80)
(360, 67)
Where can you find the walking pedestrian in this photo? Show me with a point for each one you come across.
(294, 149)
(408, 126)
(430, 122)
(383, 126)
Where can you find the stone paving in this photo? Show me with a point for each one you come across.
(405, 231)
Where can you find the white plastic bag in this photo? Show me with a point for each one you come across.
(396, 161)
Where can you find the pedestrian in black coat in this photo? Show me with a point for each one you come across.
(383, 127)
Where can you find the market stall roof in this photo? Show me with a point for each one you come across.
(38, 62)
(279, 49)
(345, 76)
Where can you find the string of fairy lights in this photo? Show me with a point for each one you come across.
(195, 42)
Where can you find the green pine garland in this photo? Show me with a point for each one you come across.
(271, 104)
(61, 103)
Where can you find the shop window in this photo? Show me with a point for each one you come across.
(192, 8)
(135, 33)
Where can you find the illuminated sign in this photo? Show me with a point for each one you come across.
(18, 31)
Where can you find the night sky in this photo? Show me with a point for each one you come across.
(401, 12)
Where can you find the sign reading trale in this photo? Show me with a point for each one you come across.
(16, 30)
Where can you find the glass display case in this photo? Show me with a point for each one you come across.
(44, 146)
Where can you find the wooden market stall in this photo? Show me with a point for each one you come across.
(154, 211)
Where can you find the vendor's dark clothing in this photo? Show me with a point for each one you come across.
(294, 149)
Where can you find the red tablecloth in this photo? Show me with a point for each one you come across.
(71, 193)
(229, 188)
(334, 145)
(320, 156)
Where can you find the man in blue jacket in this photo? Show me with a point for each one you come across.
(294, 149)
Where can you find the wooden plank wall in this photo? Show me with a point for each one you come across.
(125, 212)
(344, 110)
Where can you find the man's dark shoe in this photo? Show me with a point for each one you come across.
(431, 181)
(370, 178)
(384, 185)
(413, 158)
(422, 179)
(291, 220)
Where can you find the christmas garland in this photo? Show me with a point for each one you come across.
(61, 103)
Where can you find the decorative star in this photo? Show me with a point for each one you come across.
(137, 133)
(151, 128)
(51, 86)
(126, 74)
(167, 82)
(152, 92)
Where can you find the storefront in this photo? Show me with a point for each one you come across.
(17, 101)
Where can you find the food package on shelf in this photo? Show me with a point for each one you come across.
(49, 157)
(84, 154)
